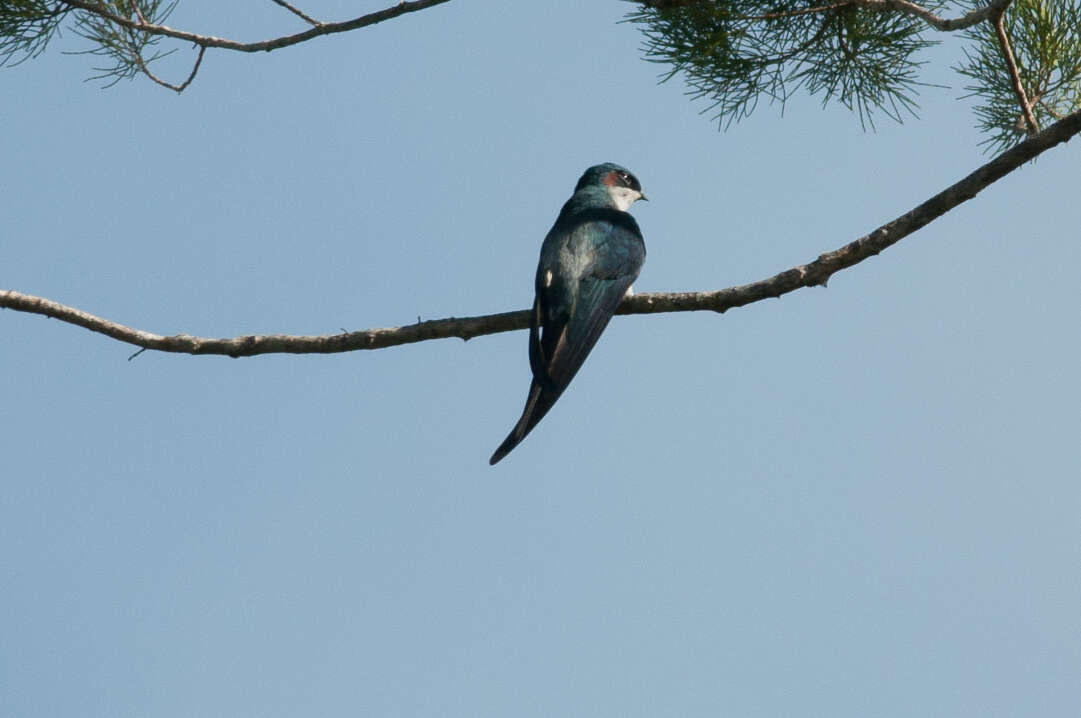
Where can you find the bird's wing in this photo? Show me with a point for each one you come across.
(601, 259)
(580, 283)
(585, 270)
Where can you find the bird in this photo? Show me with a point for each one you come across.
(588, 262)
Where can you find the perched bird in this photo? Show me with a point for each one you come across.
(588, 261)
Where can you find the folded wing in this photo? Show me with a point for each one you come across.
(579, 288)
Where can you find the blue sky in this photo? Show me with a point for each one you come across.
(855, 501)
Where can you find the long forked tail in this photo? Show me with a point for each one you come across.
(537, 404)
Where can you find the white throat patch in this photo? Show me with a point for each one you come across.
(623, 197)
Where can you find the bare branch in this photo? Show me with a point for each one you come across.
(815, 273)
(145, 68)
(946, 25)
(329, 28)
(194, 69)
(1011, 65)
(464, 328)
(818, 272)
(311, 21)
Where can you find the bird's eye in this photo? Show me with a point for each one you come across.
(625, 177)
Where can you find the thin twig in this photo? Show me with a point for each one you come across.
(814, 273)
(138, 57)
(194, 70)
(1015, 76)
(299, 13)
(329, 28)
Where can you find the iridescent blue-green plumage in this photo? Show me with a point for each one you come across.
(588, 261)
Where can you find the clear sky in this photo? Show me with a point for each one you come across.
(855, 501)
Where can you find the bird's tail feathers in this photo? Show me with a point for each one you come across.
(537, 404)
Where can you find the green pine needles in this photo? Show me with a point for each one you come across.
(129, 51)
(735, 52)
(1045, 36)
(1022, 58)
(864, 54)
(26, 26)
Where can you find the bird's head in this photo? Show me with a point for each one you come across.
(621, 187)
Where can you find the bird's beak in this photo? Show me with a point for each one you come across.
(642, 195)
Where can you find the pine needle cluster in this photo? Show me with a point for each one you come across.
(1022, 58)
(1045, 36)
(865, 54)
(733, 53)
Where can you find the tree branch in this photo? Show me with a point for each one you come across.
(1011, 66)
(145, 69)
(299, 13)
(815, 273)
(946, 25)
(904, 6)
(328, 28)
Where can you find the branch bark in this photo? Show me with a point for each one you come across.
(815, 273)
(145, 69)
(328, 28)
(299, 13)
(969, 19)
(998, 21)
